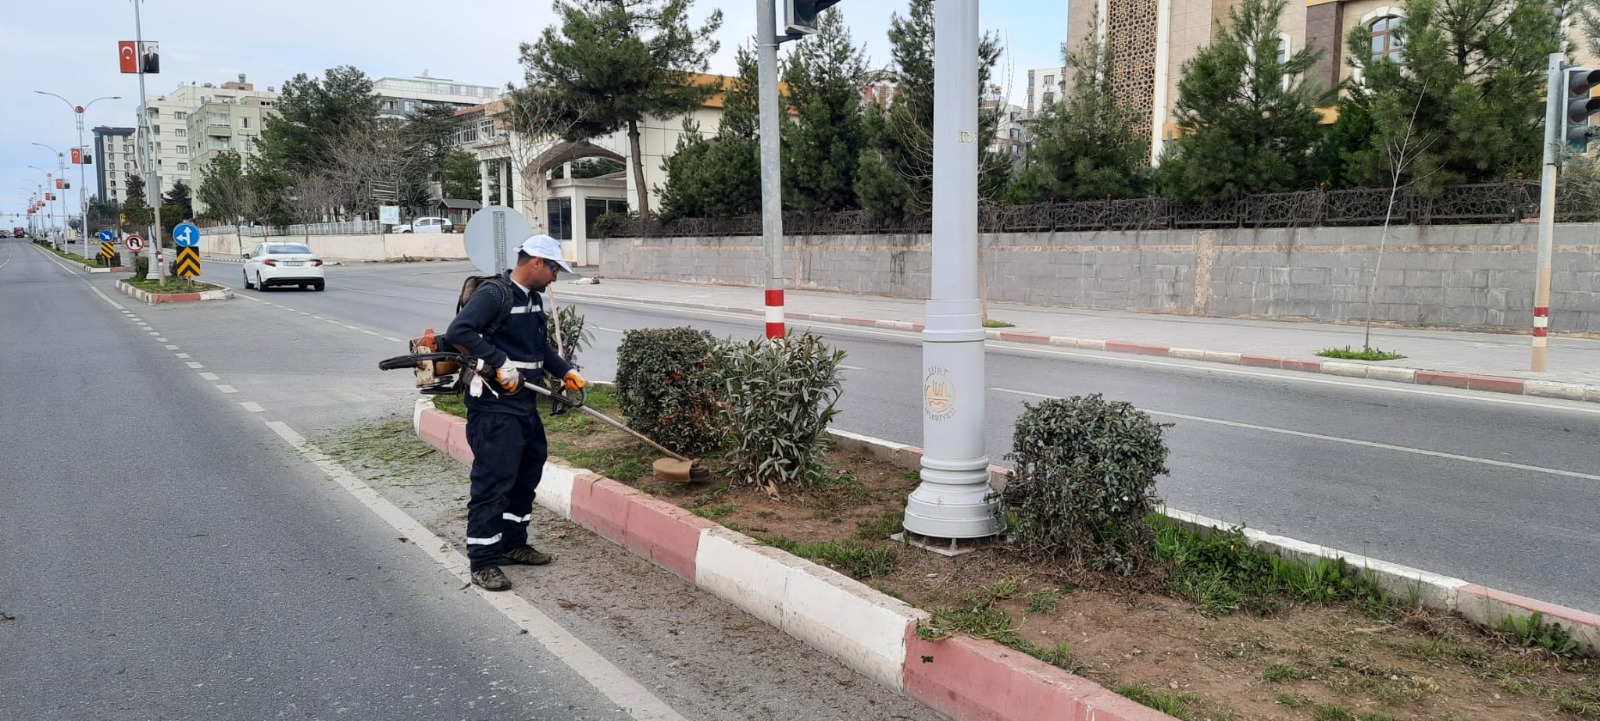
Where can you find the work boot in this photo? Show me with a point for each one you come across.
(527, 556)
(492, 579)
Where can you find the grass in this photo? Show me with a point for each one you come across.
(1366, 353)
(1172, 704)
(1221, 572)
(860, 559)
(173, 285)
(883, 526)
(992, 323)
(715, 512)
(975, 615)
(1330, 712)
(1294, 700)
(1531, 630)
(74, 257)
(1279, 672)
(1043, 601)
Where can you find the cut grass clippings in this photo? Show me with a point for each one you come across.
(992, 323)
(1366, 354)
(1217, 630)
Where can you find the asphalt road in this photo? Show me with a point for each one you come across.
(164, 553)
(1499, 490)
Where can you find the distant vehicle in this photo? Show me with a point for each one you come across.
(272, 264)
(19, 232)
(428, 224)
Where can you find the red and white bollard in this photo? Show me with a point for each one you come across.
(775, 313)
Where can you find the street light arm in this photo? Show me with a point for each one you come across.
(58, 97)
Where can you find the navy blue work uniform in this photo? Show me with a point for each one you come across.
(503, 429)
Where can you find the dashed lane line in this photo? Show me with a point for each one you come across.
(227, 388)
(603, 675)
(209, 376)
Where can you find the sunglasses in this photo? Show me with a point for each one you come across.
(553, 266)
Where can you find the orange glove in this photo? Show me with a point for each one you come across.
(573, 382)
(508, 377)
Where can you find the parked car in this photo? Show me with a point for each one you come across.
(427, 224)
(19, 232)
(271, 264)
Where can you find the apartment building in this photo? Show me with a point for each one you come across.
(400, 97)
(1045, 86)
(173, 142)
(114, 159)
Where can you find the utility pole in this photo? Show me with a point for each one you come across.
(152, 183)
(83, 182)
(771, 172)
(1553, 111)
(952, 502)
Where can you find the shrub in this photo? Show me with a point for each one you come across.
(141, 266)
(574, 337)
(1085, 478)
(665, 387)
(779, 397)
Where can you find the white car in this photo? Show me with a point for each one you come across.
(426, 225)
(282, 264)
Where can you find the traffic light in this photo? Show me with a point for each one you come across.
(1579, 106)
(801, 16)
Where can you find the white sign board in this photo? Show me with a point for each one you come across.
(493, 236)
(389, 214)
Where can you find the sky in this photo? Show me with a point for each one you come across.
(69, 47)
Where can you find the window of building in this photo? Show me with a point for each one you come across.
(180, 115)
(1016, 133)
(559, 211)
(155, 130)
(183, 150)
(1049, 98)
(183, 166)
(593, 208)
(1385, 44)
(1049, 80)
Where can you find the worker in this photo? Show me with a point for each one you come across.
(503, 428)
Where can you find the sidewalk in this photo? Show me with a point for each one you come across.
(1485, 361)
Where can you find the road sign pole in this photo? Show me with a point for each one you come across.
(953, 501)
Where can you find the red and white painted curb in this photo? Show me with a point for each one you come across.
(104, 269)
(875, 634)
(1396, 374)
(153, 298)
(868, 631)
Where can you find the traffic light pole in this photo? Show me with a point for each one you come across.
(771, 171)
(1555, 101)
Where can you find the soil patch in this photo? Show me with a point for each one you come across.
(1331, 662)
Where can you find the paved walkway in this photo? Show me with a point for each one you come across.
(1571, 360)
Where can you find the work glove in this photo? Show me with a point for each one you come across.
(573, 382)
(508, 377)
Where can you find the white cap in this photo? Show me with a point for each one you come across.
(544, 246)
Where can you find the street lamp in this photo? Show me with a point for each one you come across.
(61, 176)
(43, 192)
(83, 202)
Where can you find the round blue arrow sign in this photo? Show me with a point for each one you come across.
(186, 235)
(106, 236)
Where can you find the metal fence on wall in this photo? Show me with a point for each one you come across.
(1508, 202)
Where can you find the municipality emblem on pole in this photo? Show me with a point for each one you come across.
(938, 394)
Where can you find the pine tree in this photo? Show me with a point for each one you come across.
(181, 198)
(1084, 147)
(613, 62)
(1475, 72)
(135, 211)
(1248, 122)
(822, 146)
(894, 176)
(719, 177)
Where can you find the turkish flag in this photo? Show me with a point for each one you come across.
(50, 197)
(128, 56)
(77, 156)
(58, 183)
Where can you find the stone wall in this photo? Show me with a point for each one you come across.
(349, 247)
(1465, 276)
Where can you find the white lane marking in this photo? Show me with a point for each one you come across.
(1296, 377)
(370, 332)
(193, 364)
(608, 330)
(108, 299)
(227, 389)
(161, 340)
(11, 249)
(155, 332)
(1350, 441)
(171, 346)
(252, 406)
(392, 339)
(207, 375)
(351, 327)
(851, 368)
(144, 326)
(180, 355)
(594, 668)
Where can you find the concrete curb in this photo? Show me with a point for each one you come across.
(154, 298)
(875, 634)
(1484, 606)
(1348, 369)
(103, 269)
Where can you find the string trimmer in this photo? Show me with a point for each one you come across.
(676, 467)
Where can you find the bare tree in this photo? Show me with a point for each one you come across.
(382, 157)
(1401, 148)
(535, 121)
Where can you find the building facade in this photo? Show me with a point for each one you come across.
(182, 122)
(1045, 86)
(114, 159)
(400, 97)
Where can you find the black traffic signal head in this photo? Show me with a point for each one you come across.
(801, 16)
(1578, 106)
